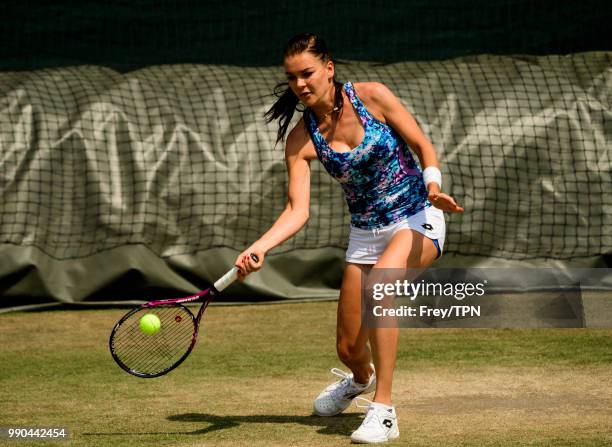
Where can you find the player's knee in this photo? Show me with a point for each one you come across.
(348, 352)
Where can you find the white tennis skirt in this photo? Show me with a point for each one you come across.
(366, 245)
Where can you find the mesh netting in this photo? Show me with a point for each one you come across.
(178, 158)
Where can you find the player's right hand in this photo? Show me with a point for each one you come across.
(246, 264)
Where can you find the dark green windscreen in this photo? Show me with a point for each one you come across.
(127, 35)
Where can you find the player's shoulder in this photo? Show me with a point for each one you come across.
(299, 142)
(376, 97)
(298, 136)
(298, 132)
(374, 91)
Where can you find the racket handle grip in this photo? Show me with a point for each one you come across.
(230, 277)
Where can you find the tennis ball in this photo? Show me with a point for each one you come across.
(150, 324)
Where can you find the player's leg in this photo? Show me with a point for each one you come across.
(407, 249)
(351, 337)
(352, 348)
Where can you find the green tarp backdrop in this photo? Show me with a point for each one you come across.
(161, 176)
(134, 154)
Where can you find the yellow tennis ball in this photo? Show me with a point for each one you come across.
(150, 324)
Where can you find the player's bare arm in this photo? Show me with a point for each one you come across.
(386, 107)
(299, 151)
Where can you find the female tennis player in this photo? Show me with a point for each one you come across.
(362, 134)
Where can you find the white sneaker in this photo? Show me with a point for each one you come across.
(338, 396)
(379, 425)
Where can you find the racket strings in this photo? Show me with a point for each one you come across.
(150, 354)
(163, 354)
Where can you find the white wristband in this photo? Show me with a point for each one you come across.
(432, 174)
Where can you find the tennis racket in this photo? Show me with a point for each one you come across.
(150, 355)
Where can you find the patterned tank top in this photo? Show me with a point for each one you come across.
(381, 180)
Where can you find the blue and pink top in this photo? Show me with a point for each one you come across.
(381, 180)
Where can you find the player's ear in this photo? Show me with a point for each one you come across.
(331, 70)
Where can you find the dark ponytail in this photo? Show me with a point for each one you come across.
(287, 103)
(283, 109)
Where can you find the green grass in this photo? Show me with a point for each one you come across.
(253, 374)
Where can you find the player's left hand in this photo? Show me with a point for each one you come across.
(444, 202)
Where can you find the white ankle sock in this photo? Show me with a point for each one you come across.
(383, 406)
